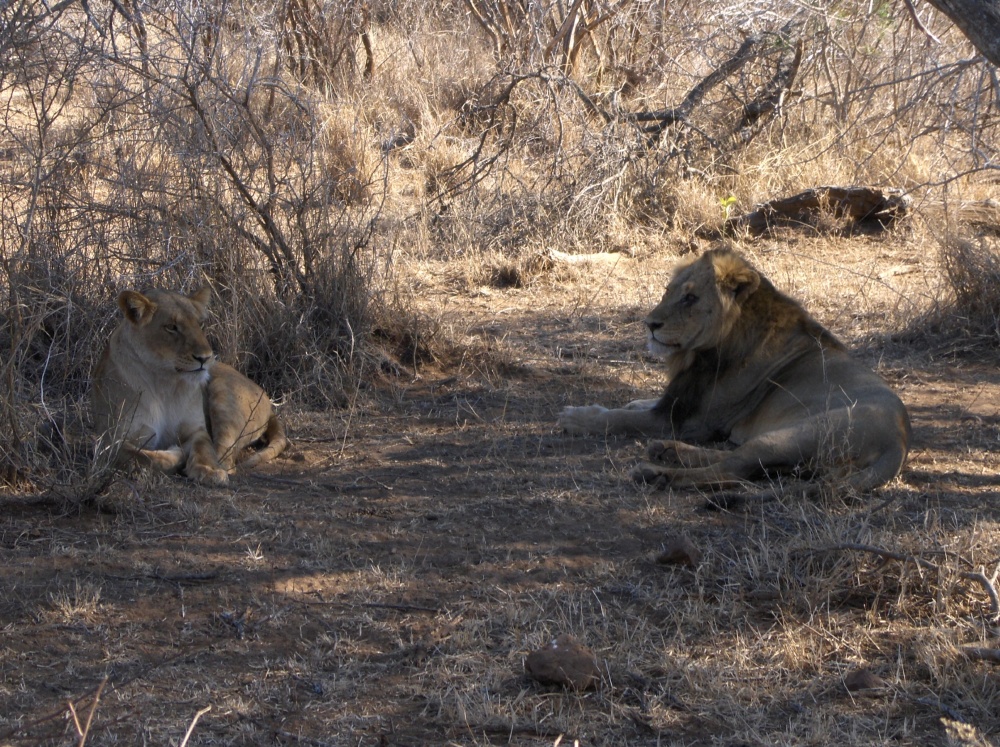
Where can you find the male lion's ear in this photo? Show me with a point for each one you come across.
(201, 298)
(136, 307)
(741, 282)
(749, 282)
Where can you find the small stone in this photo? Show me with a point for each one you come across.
(564, 661)
(679, 551)
(862, 679)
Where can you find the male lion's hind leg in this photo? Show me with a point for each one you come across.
(780, 450)
(680, 454)
(860, 458)
(689, 477)
(693, 466)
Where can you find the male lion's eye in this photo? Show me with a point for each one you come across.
(688, 299)
(172, 328)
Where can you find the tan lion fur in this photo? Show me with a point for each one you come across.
(160, 393)
(750, 367)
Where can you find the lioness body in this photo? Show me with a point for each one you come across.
(159, 391)
(749, 366)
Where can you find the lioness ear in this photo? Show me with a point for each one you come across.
(136, 307)
(201, 298)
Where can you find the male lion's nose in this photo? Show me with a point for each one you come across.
(653, 325)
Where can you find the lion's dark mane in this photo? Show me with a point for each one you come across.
(771, 327)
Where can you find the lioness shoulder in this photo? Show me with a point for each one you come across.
(160, 394)
(748, 366)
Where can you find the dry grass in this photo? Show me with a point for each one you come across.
(973, 271)
(425, 258)
(385, 582)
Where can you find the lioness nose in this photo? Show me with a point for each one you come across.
(203, 359)
(653, 326)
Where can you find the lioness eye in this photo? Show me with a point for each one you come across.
(172, 328)
(688, 299)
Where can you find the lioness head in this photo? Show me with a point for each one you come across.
(164, 330)
(701, 304)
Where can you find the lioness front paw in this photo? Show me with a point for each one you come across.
(167, 460)
(586, 419)
(208, 475)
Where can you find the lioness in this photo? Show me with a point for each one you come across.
(159, 391)
(749, 366)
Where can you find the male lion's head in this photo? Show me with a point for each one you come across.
(702, 302)
(164, 330)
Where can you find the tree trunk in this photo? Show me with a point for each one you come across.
(979, 20)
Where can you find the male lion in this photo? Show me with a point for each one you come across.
(159, 391)
(749, 366)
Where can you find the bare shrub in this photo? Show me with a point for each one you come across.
(171, 148)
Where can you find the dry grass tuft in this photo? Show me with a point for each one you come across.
(965, 316)
(972, 267)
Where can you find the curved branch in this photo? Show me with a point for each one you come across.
(979, 578)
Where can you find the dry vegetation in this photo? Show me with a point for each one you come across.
(429, 226)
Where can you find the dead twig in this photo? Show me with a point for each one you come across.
(976, 653)
(377, 605)
(182, 578)
(85, 730)
(772, 97)
(918, 23)
(282, 734)
(514, 727)
(991, 592)
(194, 721)
(946, 710)
(666, 117)
(979, 577)
(401, 607)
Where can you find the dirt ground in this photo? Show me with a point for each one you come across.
(382, 583)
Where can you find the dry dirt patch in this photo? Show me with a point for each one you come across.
(383, 583)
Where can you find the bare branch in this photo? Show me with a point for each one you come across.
(666, 117)
(194, 721)
(979, 578)
(974, 653)
(918, 23)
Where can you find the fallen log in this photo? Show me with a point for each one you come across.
(858, 206)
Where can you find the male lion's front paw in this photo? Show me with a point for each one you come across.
(641, 404)
(586, 419)
(664, 452)
(208, 475)
(651, 474)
